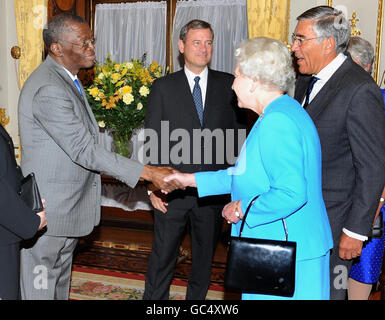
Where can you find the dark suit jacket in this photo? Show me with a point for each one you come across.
(171, 100)
(349, 115)
(17, 221)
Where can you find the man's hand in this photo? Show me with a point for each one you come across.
(43, 219)
(158, 201)
(350, 248)
(157, 174)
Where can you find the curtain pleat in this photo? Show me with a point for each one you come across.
(228, 19)
(31, 16)
(127, 30)
(268, 18)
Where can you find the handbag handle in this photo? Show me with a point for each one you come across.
(247, 211)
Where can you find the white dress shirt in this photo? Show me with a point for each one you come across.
(73, 77)
(202, 82)
(324, 75)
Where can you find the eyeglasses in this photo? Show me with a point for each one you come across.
(300, 41)
(85, 45)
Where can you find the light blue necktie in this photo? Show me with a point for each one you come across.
(197, 96)
(77, 84)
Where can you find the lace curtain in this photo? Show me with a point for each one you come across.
(128, 30)
(228, 19)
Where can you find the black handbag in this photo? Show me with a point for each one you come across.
(261, 266)
(29, 192)
(378, 226)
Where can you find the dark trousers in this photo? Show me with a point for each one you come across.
(339, 269)
(339, 273)
(205, 225)
(9, 272)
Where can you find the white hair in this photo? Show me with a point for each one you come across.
(361, 50)
(267, 60)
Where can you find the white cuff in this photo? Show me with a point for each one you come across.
(354, 235)
(149, 192)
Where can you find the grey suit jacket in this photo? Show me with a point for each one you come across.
(349, 115)
(59, 140)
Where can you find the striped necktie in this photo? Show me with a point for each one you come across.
(77, 84)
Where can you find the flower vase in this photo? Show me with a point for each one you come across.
(123, 144)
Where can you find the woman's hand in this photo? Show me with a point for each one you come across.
(185, 179)
(232, 212)
(43, 219)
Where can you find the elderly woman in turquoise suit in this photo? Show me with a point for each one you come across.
(281, 162)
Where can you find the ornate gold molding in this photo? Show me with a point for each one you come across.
(4, 120)
(92, 20)
(380, 15)
(353, 22)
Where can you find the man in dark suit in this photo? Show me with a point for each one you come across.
(182, 104)
(17, 221)
(347, 109)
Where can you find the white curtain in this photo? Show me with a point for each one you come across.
(127, 30)
(228, 19)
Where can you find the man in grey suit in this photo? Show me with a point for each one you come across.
(59, 138)
(347, 108)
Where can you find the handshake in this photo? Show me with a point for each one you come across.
(164, 180)
(168, 179)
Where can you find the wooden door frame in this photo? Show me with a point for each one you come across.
(86, 9)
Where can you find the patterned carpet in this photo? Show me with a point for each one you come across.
(107, 271)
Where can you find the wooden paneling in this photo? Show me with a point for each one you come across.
(60, 6)
(79, 7)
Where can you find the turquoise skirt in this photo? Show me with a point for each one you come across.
(311, 281)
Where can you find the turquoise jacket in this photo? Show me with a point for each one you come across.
(281, 162)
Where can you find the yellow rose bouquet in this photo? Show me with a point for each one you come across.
(118, 95)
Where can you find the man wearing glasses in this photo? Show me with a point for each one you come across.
(347, 109)
(59, 138)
